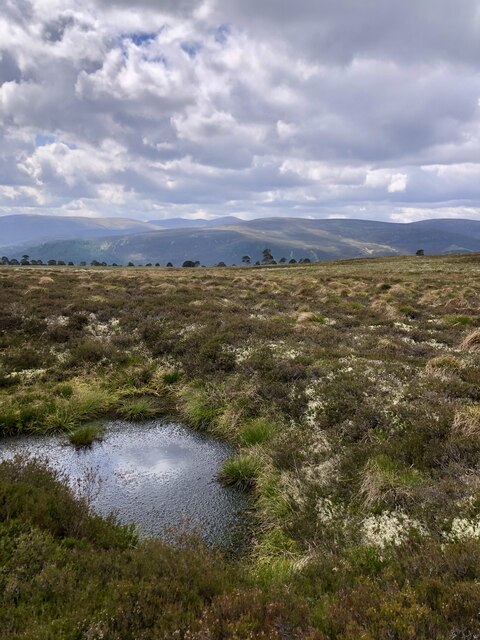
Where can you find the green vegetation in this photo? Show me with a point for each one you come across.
(241, 471)
(86, 435)
(352, 391)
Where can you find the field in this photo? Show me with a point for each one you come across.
(352, 391)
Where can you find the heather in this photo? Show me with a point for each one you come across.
(351, 390)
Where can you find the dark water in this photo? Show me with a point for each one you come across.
(156, 475)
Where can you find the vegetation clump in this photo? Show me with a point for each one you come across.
(85, 436)
(241, 471)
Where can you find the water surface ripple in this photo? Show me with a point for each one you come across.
(157, 475)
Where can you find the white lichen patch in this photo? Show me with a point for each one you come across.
(402, 326)
(463, 529)
(328, 512)
(389, 528)
(57, 321)
(102, 330)
(27, 375)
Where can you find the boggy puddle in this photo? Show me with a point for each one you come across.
(160, 476)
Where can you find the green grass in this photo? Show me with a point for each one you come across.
(136, 408)
(257, 431)
(241, 471)
(466, 321)
(86, 435)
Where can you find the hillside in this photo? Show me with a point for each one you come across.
(20, 230)
(286, 237)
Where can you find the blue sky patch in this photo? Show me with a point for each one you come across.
(141, 38)
(42, 139)
(191, 48)
(222, 32)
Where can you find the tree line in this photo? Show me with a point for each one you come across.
(267, 259)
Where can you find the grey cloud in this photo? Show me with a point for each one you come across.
(365, 109)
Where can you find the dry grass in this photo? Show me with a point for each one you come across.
(472, 341)
(467, 422)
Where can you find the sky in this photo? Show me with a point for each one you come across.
(203, 108)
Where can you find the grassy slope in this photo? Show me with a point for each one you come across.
(353, 392)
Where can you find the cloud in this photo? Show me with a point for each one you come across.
(359, 109)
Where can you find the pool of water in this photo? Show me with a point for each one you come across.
(154, 474)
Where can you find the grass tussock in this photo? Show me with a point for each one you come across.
(136, 408)
(467, 422)
(85, 436)
(257, 431)
(472, 341)
(241, 471)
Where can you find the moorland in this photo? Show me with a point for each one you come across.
(351, 391)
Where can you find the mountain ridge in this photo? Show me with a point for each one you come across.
(317, 239)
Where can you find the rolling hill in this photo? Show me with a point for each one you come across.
(21, 230)
(286, 237)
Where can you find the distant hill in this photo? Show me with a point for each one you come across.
(183, 223)
(286, 237)
(22, 230)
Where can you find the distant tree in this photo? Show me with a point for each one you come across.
(40, 262)
(282, 260)
(188, 263)
(157, 264)
(420, 252)
(14, 262)
(221, 264)
(114, 264)
(267, 256)
(292, 261)
(70, 264)
(306, 261)
(197, 263)
(4, 260)
(25, 256)
(83, 263)
(246, 259)
(149, 264)
(24, 261)
(169, 264)
(60, 263)
(257, 263)
(95, 263)
(52, 263)
(103, 264)
(130, 264)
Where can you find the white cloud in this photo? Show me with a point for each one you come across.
(178, 106)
